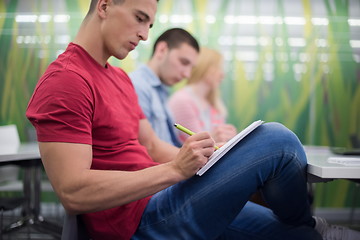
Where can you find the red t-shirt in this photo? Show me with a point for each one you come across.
(79, 101)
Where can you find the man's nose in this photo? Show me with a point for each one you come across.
(143, 34)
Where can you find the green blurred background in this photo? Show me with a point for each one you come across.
(290, 61)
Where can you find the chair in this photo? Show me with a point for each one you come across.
(9, 143)
(74, 228)
(7, 204)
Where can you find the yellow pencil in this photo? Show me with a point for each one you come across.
(187, 131)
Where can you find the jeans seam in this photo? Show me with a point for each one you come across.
(168, 217)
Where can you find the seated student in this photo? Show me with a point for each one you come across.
(106, 163)
(198, 106)
(174, 54)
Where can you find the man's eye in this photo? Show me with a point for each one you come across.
(184, 62)
(139, 19)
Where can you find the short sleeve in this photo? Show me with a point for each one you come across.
(61, 108)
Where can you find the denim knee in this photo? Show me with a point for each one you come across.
(283, 139)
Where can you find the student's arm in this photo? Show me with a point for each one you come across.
(160, 151)
(82, 190)
(223, 132)
(186, 112)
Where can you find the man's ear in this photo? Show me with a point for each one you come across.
(102, 7)
(161, 49)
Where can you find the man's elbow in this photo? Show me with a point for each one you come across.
(71, 204)
(72, 201)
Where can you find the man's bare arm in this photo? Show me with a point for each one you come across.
(81, 189)
(159, 150)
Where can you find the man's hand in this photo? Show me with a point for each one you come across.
(194, 154)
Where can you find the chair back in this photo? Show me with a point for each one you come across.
(9, 143)
(73, 228)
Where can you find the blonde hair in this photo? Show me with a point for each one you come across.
(207, 60)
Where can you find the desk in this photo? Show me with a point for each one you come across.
(28, 157)
(320, 169)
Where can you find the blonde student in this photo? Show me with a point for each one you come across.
(198, 106)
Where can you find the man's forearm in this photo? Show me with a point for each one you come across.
(163, 152)
(96, 190)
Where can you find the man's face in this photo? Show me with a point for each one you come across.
(125, 25)
(177, 64)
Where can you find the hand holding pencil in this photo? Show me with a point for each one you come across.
(188, 131)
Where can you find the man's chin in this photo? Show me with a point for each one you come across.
(122, 55)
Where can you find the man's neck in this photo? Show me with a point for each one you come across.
(88, 39)
(153, 66)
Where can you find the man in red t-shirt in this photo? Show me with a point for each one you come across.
(87, 119)
(106, 163)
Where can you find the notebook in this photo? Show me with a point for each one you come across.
(218, 154)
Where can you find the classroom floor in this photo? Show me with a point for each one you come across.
(51, 212)
(54, 213)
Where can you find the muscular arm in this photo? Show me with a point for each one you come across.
(82, 189)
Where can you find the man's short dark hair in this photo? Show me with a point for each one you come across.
(174, 37)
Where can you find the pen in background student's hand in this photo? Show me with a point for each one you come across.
(187, 131)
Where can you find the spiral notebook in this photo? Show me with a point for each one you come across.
(218, 154)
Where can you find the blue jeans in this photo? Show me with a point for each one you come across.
(215, 206)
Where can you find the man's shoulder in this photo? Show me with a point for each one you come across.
(69, 63)
(57, 71)
(140, 79)
(139, 73)
(60, 73)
